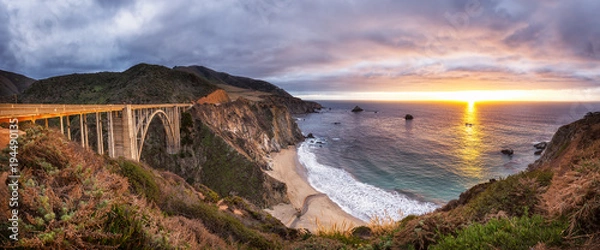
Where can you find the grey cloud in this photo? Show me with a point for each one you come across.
(7, 58)
(579, 28)
(274, 39)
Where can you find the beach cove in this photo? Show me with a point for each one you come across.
(308, 208)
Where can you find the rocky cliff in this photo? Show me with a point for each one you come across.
(226, 147)
(255, 128)
(570, 142)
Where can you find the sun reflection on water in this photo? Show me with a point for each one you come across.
(470, 148)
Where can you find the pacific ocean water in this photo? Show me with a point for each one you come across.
(377, 163)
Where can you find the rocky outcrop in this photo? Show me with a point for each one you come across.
(409, 117)
(217, 97)
(507, 151)
(357, 109)
(570, 141)
(254, 128)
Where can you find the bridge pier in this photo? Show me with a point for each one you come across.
(100, 139)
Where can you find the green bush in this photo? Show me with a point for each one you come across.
(514, 233)
(515, 195)
(141, 181)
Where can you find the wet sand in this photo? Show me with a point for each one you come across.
(307, 205)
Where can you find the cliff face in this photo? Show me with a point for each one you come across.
(225, 147)
(254, 128)
(575, 140)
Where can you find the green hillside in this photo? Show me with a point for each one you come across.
(142, 83)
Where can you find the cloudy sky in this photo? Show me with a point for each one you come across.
(391, 49)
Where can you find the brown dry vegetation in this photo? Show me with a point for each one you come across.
(69, 199)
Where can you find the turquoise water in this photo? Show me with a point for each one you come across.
(377, 163)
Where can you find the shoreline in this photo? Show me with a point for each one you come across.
(307, 205)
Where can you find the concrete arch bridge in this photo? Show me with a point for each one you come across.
(126, 125)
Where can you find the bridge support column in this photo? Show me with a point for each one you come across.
(62, 126)
(175, 146)
(99, 139)
(68, 127)
(81, 130)
(111, 135)
(124, 133)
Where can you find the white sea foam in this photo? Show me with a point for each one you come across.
(356, 198)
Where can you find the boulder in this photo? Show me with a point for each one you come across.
(541, 145)
(408, 117)
(357, 109)
(507, 151)
(310, 135)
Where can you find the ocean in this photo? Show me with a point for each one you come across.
(377, 163)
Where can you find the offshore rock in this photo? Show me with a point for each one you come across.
(507, 151)
(541, 145)
(408, 117)
(357, 109)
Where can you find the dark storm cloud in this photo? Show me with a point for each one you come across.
(322, 45)
(7, 60)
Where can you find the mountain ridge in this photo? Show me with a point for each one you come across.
(13, 83)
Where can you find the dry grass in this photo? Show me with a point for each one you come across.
(335, 230)
(576, 195)
(70, 200)
(383, 225)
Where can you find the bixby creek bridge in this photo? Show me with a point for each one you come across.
(126, 125)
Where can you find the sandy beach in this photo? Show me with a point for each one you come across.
(307, 204)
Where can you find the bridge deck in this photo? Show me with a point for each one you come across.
(26, 112)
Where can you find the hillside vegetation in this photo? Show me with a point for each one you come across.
(74, 199)
(142, 83)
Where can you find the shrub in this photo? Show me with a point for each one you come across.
(514, 233)
(141, 181)
(514, 195)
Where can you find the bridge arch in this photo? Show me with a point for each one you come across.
(168, 125)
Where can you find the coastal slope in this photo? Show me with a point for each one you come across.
(252, 89)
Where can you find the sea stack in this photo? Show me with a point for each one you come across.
(507, 151)
(357, 109)
(408, 117)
